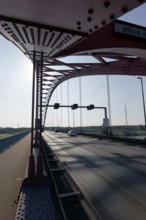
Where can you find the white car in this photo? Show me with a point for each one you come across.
(72, 133)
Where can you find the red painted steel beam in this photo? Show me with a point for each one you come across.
(106, 40)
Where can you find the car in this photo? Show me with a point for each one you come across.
(72, 133)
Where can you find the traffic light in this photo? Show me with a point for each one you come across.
(74, 106)
(56, 105)
(89, 107)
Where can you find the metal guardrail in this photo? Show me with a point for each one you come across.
(67, 192)
(5, 143)
(116, 138)
(48, 160)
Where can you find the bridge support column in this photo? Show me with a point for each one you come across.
(40, 159)
(31, 165)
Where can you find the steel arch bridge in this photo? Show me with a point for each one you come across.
(86, 28)
(46, 32)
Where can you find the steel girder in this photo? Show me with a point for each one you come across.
(52, 78)
(50, 27)
(119, 55)
(55, 29)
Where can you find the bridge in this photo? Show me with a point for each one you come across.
(48, 31)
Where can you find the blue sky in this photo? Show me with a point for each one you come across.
(15, 91)
(15, 86)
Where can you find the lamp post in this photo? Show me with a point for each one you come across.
(143, 98)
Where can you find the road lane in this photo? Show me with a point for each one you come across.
(115, 189)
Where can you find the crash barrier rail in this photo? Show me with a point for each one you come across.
(7, 142)
(131, 139)
(69, 201)
(115, 138)
(135, 132)
(124, 133)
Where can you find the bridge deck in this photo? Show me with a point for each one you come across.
(35, 203)
(13, 163)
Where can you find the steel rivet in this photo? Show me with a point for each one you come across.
(112, 16)
(90, 11)
(107, 4)
(124, 9)
(103, 22)
(78, 22)
(89, 19)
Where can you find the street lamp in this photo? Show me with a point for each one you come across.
(143, 98)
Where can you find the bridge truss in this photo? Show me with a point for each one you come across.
(51, 32)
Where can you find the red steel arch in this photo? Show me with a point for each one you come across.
(53, 29)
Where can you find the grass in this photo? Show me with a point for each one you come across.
(4, 135)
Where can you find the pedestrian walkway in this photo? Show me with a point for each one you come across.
(13, 163)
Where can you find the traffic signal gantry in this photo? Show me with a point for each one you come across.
(76, 106)
(88, 107)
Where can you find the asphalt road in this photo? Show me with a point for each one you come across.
(111, 175)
